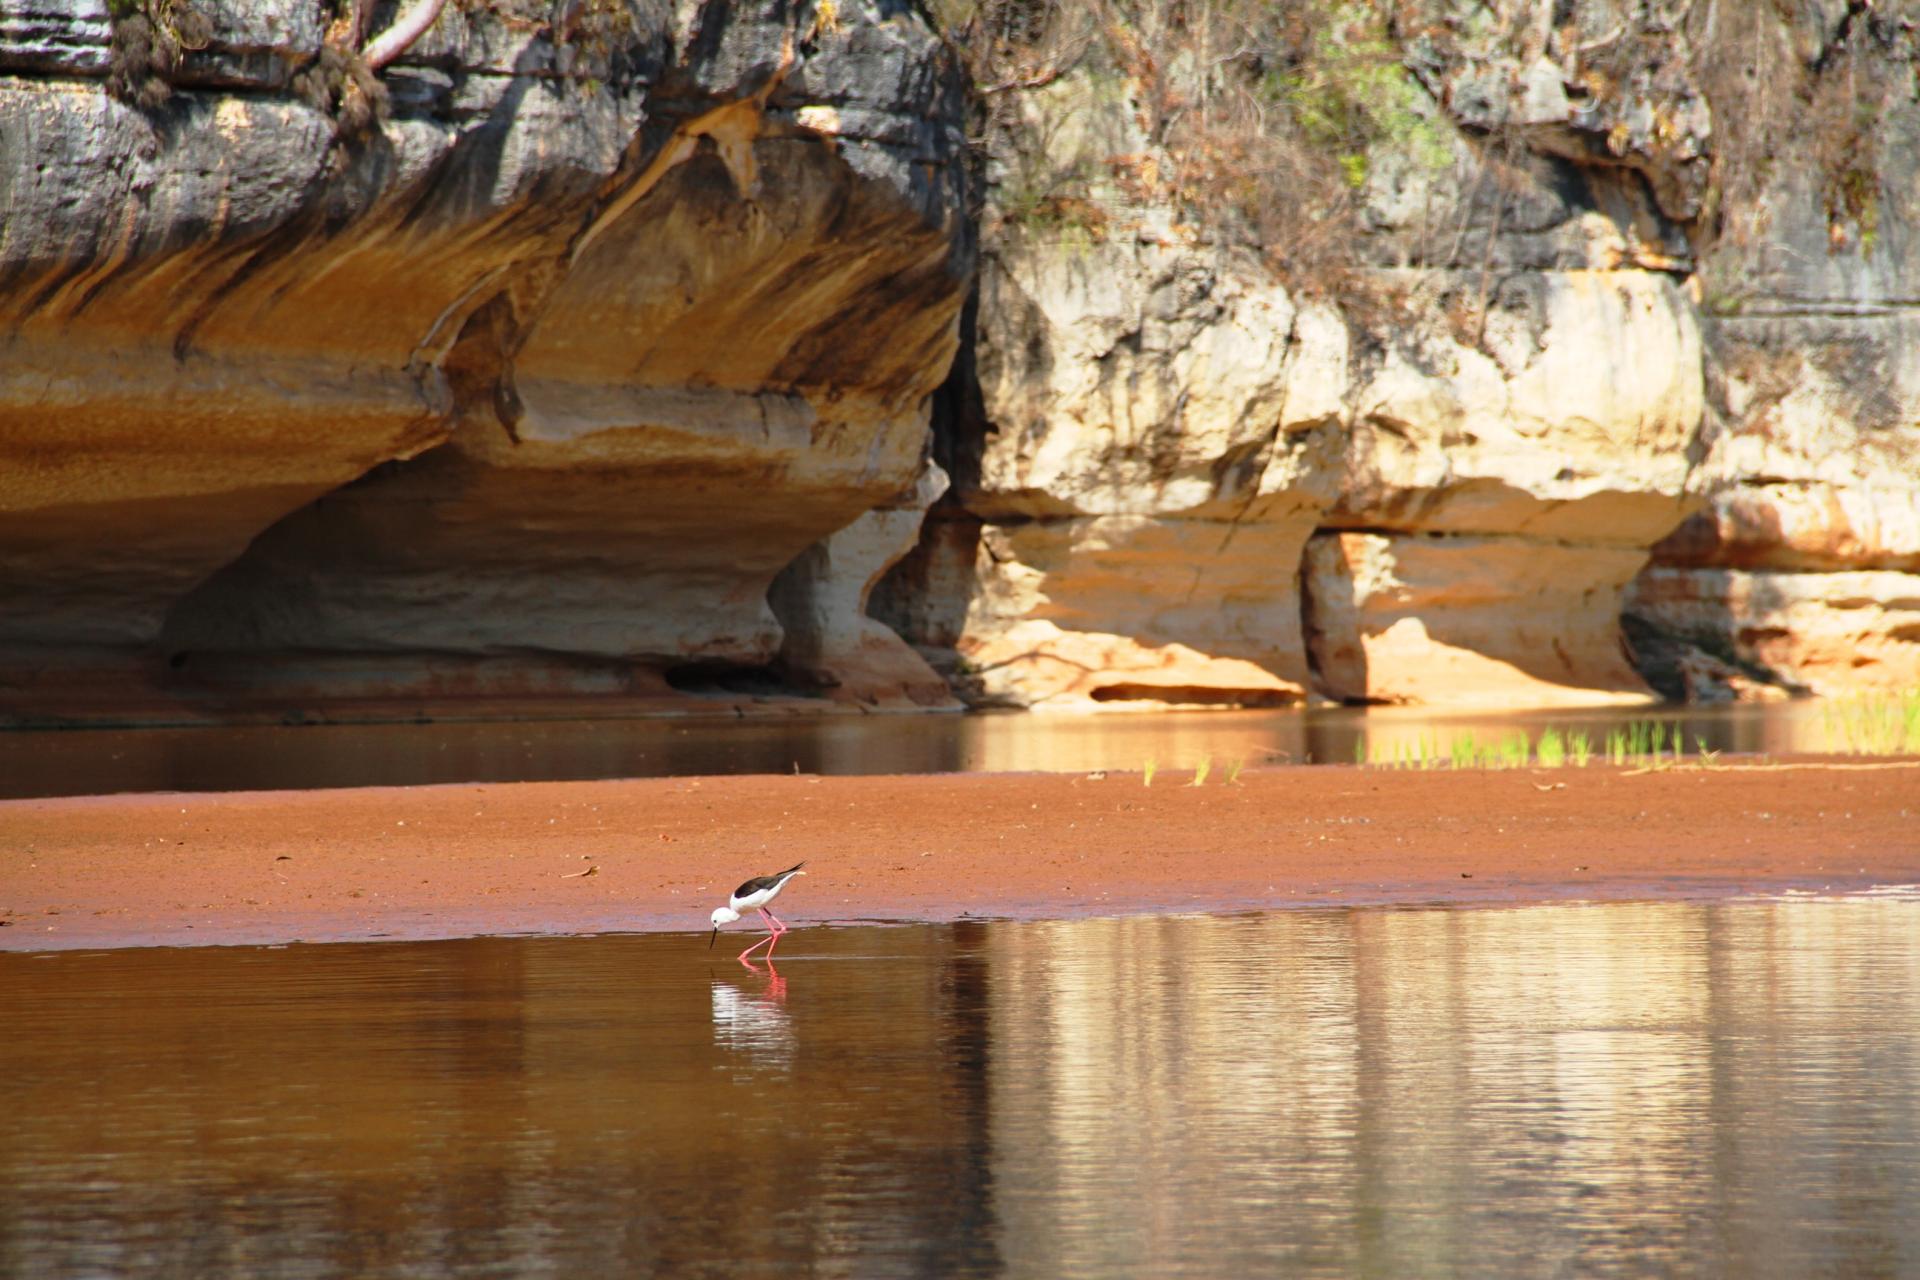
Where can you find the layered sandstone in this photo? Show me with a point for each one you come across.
(1143, 451)
(1132, 522)
(1500, 506)
(1519, 419)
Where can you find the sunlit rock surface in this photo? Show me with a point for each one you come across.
(1158, 429)
(1456, 473)
(1141, 437)
(566, 361)
(1147, 507)
(1146, 485)
(1470, 620)
(1507, 495)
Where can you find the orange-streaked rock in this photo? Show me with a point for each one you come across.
(556, 371)
(1470, 620)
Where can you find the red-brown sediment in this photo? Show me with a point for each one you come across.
(659, 854)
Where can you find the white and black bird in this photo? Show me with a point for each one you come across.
(754, 895)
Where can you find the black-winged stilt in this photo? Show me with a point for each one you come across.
(754, 895)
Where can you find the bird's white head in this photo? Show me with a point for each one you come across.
(721, 915)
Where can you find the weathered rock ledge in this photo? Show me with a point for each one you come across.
(535, 388)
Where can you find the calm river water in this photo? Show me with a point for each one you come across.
(99, 761)
(1633, 1090)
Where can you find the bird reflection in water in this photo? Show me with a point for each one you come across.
(754, 1020)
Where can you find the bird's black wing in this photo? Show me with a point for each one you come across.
(761, 883)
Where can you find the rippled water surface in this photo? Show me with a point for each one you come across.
(1664, 1089)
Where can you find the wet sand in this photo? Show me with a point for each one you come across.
(659, 854)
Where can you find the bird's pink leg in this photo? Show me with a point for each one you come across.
(764, 942)
(770, 939)
(774, 937)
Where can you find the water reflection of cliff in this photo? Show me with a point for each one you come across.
(1630, 1089)
(524, 1107)
(350, 755)
(1625, 1089)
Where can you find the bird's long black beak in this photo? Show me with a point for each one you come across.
(715, 937)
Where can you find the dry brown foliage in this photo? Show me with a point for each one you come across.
(149, 39)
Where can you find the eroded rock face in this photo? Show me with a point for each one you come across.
(1831, 633)
(1524, 432)
(1470, 620)
(1147, 485)
(1173, 458)
(1457, 473)
(1147, 507)
(169, 384)
(1805, 565)
(606, 327)
(1508, 493)
(1803, 569)
(1142, 454)
(821, 600)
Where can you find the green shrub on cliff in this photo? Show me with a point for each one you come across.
(1348, 93)
(1252, 119)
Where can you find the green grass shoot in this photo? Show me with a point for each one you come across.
(1873, 724)
(1461, 753)
(1552, 751)
(1580, 746)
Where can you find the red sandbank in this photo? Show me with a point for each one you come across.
(659, 854)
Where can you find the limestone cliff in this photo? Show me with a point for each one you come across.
(533, 385)
(1190, 469)
(1191, 477)
(1236, 354)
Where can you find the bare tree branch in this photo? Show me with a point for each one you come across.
(407, 28)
